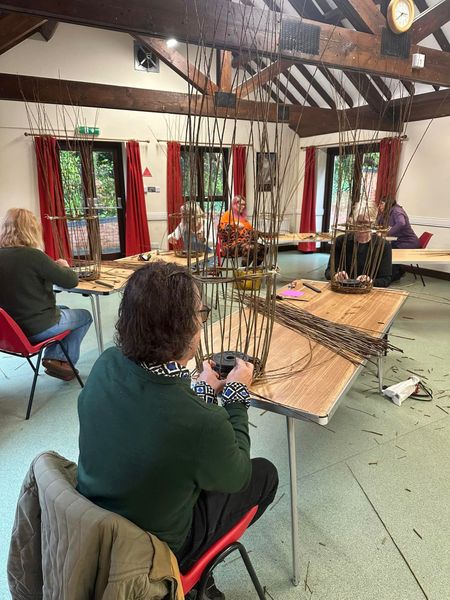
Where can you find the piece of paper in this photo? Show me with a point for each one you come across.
(292, 293)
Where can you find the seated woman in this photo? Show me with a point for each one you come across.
(26, 294)
(353, 253)
(237, 236)
(399, 225)
(180, 467)
(189, 235)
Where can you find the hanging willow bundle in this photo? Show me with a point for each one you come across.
(349, 342)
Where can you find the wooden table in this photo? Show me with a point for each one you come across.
(421, 255)
(314, 393)
(112, 279)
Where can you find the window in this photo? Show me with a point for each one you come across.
(91, 175)
(351, 178)
(204, 173)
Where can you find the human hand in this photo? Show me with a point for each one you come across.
(62, 262)
(340, 276)
(211, 377)
(242, 373)
(364, 279)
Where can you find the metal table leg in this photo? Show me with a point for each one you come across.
(99, 324)
(294, 515)
(380, 374)
(95, 306)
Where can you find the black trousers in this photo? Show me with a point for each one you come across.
(216, 513)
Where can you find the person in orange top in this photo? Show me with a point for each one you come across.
(237, 236)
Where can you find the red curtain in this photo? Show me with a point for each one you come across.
(239, 163)
(174, 192)
(51, 198)
(308, 216)
(390, 149)
(137, 238)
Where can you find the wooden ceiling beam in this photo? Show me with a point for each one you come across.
(15, 27)
(424, 106)
(314, 84)
(268, 88)
(225, 70)
(80, 93)
(362, 14)
(178, 63)
(301, 90)
(233, 26)
(439, 35)
(262, 77)
(340, 89)
(384, 89)
(47, 30)
(367, 90)
(430, 20)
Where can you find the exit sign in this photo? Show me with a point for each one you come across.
(84, 130)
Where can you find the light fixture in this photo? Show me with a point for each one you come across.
(171, 43)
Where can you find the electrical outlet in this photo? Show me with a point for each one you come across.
(152, 189)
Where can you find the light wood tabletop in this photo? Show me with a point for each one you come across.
(420, 255)
(313, 377)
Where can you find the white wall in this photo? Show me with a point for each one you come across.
(424, 176)
(87, 54)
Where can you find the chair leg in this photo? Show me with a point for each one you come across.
(33, 387)
(31, 363)
(71, 364)
(251, 571)
(414, 271)
(201, 587)
(420, 275)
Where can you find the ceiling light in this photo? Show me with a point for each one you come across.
(171, 43)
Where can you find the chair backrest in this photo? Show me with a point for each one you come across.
(12, 338)
(425, 238)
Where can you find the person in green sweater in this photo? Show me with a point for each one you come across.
(155, 446)
(27, 276)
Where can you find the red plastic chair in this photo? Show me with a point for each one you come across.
(217, 554)
(424, 241)
(14, 341)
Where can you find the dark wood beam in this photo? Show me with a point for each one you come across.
(178, 63)
(47, 30)
(314, 84)
(268, 88)
(307, 9)
(225, 70)
(261, 77)
(278, 84)
(362, 14)
(384, 89)
(80, 93)
(340, 89)
(14, 28)
(424, 106)
(439, 35)
(294, 83)
(333, 16)
(430, 20)
(227, 24)
(367, 90)
(309, 122)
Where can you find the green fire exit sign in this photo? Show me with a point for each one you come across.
(84, 130)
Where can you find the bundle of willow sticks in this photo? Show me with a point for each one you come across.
(349, 342)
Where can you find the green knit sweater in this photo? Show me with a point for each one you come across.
(149, 445)
(27, 276)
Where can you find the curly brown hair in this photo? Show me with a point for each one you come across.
(158, 314)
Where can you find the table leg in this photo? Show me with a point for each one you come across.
(380, 374)
(294, 515)
(99, 324)
(94, 317)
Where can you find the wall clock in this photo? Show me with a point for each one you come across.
(400, 15)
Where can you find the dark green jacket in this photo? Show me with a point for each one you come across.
(27, 276)
(149, 445)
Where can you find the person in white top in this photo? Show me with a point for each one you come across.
(192, 222)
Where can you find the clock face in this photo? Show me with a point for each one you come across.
(402, 13)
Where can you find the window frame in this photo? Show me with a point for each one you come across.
(117, 151)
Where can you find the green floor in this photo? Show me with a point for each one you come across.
(374, 508)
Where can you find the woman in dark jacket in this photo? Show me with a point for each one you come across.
(27, 276)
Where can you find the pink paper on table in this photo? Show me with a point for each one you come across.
(292, 293)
